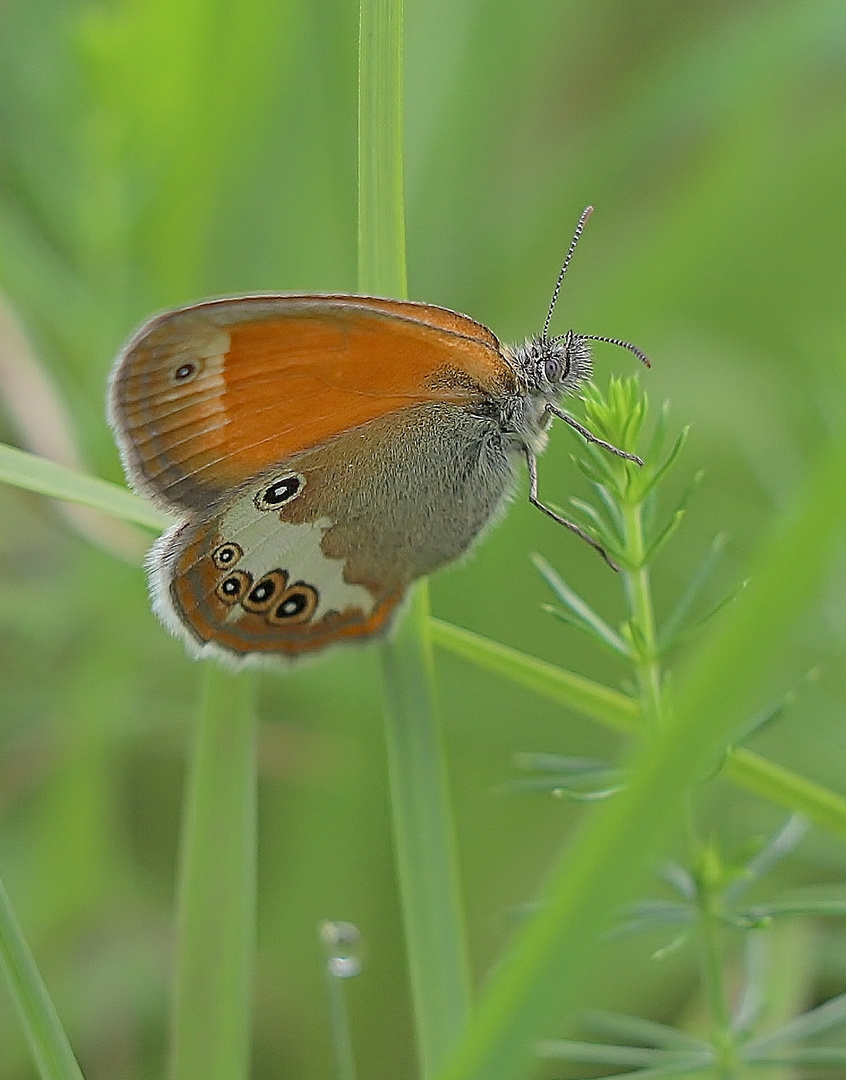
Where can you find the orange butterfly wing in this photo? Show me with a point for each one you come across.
(208, 396)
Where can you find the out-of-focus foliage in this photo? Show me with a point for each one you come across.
(155, 151)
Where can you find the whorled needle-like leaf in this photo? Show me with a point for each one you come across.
(831, 909)
(579, 608)
(657, 543)
(812, 1055)
(824, 1017)
(604, 529)
(659, 434)
(679, 878)
(657, 1062)
(691, 593)
(782, 844)
(649, 914)
(580, 779)
(577, 624)
(595, 466)
(664, 536)
(613, 508)
(774, 712)
(662, 470)
(623, 1027)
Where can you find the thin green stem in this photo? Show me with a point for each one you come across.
(425, 846)
(216, 888)
(712, 960)
(381, 200)
(340, 942)
(742, 767)
(54, 1059)
(641, 612)
(423, 832)
(650, 677)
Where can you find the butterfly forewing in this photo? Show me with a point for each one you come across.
(206, 397)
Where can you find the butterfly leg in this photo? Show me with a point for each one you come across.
(589, 436)
(532, 463)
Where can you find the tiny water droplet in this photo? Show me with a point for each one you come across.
(342, 941)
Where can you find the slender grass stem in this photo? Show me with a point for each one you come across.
(381, 200)
(423, 833)
(54, 1059)
(216, 888)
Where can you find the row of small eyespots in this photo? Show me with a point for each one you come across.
(270, 595)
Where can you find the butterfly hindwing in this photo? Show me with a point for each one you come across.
(251, 582)
(321, 548)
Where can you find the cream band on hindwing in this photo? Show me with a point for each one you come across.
(269, 546)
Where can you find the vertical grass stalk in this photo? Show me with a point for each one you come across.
(423, 831)
(54, 1059)
(215, 916)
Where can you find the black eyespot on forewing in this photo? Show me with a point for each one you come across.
(296, 605)
(227, 555)
(266, 592)
(233, 586)
(280, 492)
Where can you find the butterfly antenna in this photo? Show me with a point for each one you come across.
(644, 359)
(588, 210)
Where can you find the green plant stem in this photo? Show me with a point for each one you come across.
(422, 821)
(620, 712)
(711, 958)
(381, 199)
(642, 615)
(54, 1059)
(216, 888)
(425, 846)
(650, 678)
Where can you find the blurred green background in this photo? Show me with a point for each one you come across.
(157, 151)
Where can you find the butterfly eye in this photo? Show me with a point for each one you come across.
(553, 369)
(281, 491)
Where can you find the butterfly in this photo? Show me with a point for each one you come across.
(323, 452)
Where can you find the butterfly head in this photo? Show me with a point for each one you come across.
(549, 367)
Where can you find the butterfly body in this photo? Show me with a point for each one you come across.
(321, 453)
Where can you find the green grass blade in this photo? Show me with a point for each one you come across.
(422, 821)
(46, 477)
(607, 863)
(48, 1043)
(381, 200)
(425, 845)
(589, 698)
(216, 889)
